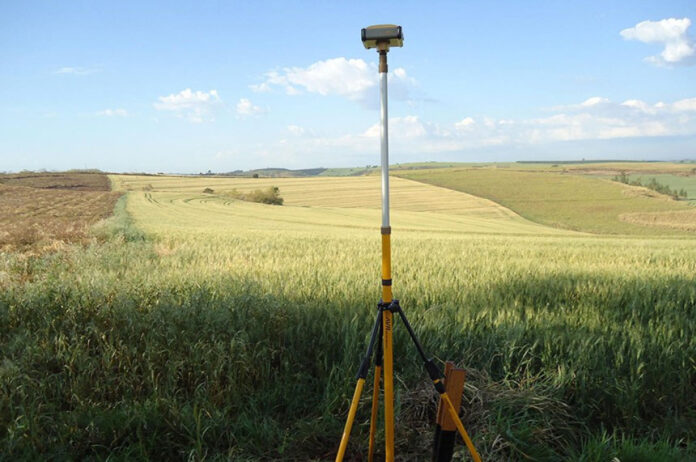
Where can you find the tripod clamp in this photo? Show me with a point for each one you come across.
(428, 363)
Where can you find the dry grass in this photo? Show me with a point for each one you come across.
(334, 192)
(40, 212)
(488, 408)
(677, 219)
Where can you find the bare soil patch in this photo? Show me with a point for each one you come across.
(41, 211)
(75, 181)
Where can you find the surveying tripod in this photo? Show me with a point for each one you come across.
(381, 38)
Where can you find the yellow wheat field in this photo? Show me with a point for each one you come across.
(317, 204)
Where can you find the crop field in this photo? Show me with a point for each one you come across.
(609, 168)
(204, 327)
(568, 201)
(336, 202)
(42, 211)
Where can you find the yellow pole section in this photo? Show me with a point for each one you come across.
(460, 427)
(386, 267)
(373, 416)
(388, 361)
(351, 418)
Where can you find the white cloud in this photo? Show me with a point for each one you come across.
(247, 108)
(466, 123)
(685, 105)
(113, 113)
(260, 87)
(679, 48)
(594, 101)
(339, 76)
(597, 101)
(601, 119)
(75, 71)
(353, 79)
(404, 128)
(639, 105)
(296, 130)
(196, 106)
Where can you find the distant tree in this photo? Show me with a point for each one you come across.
(255, 175)
(623, 178)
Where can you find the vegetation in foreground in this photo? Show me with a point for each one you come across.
(224, 338)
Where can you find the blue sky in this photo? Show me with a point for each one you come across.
(187, 87)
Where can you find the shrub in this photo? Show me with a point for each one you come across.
(271, 195)
(208, 191)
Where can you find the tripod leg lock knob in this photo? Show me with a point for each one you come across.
(435, 375)
(394, 306)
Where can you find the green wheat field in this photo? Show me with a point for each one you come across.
(195, 326)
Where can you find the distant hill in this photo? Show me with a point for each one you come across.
(300, 173)
(603, 166)
(569, 200)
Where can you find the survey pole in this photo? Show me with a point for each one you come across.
(387, 317)
(384, 136)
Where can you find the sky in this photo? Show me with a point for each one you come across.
(189, 87)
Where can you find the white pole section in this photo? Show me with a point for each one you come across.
(384, 133)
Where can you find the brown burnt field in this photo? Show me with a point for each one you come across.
(41, 210)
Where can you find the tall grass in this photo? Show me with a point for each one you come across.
(239, 342)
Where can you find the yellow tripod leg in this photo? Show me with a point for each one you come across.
(460, 427)
(349, 422)
(361, 375)
(373, 416)
(387, 319)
